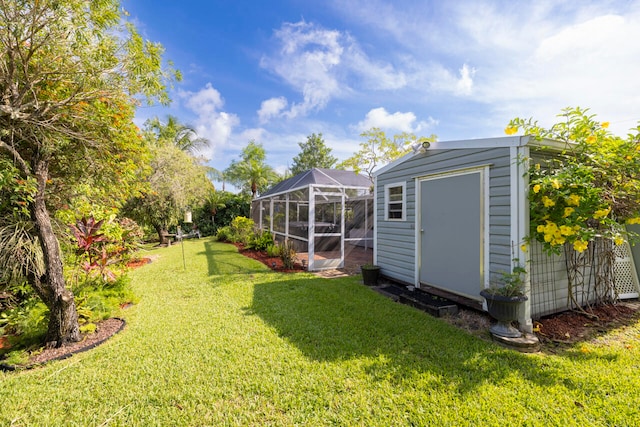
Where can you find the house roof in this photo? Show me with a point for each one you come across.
(321, 177)
(506, 141)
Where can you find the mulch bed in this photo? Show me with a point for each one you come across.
(275, 263)
(573, 326)
(138, 262)
(104, 330)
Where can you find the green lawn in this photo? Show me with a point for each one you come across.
(228, 342)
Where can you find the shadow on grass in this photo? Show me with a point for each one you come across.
(223, 259)
(339, 319)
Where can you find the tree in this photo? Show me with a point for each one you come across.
(182, 136)
(177, 182)
(378, 150)
(314, 154)
(68, 77)
(251, 173)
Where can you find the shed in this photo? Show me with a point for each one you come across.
(450, 217)
(324, 212)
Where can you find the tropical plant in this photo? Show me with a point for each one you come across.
(183, 137)
(287, 254)
(251, 173)
(242, 229)
(69, 77)
(260, 241)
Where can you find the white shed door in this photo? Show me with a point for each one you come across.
(451, 233)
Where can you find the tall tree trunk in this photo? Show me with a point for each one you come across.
(162, 234)
(63, 317)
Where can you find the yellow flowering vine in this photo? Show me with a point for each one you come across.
(591, 189)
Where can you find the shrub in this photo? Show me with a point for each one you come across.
(225, 234)
(273, 250)
(261, 242)
(287, 254)
(242, 228)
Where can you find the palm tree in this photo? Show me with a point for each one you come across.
(182, 136)
(251, 172)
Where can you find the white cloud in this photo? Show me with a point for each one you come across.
(217, 126)
(324, 64)
(464, 84)
(401, 122)
(271, 108)
(590, 62)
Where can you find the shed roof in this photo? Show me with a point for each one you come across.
(322, 177)
(505, 141)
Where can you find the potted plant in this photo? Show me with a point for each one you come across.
(504, 299)
(370, 274)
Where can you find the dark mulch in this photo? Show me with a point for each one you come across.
(104, 330)
(573, 326)
(274, 263)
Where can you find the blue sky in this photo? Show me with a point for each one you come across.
(278, 71)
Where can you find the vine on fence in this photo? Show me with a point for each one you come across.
(582, 198)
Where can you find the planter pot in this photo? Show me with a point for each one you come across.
(370, 274)
(504, 310)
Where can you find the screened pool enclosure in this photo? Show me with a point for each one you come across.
(325, 213)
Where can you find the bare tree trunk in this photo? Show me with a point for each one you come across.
(162, 235)
(63, 317)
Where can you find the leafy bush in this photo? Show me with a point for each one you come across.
(26, 323)
(242, 228)
(261, 242)
(273, 250)
(225, 234)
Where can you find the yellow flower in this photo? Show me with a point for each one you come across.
(635, 220)
(601, 213)
(605, 125)
(537, 166)
(523, 247)
(618, 240)
(558, 241)
(540, 228)
(591, 139)
(567, 212)
(574, 200)
(580, 246)
(510, 130)
(536, 188)
(548, 202)
(565, 230)
(556, 184)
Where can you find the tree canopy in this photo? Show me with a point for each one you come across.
(379, 150)
(171, 131)
(314, 153)
(251, 173)
(71, 74)
(177, 181)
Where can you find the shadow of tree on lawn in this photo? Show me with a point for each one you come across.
(339, 319)
(223, 259)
